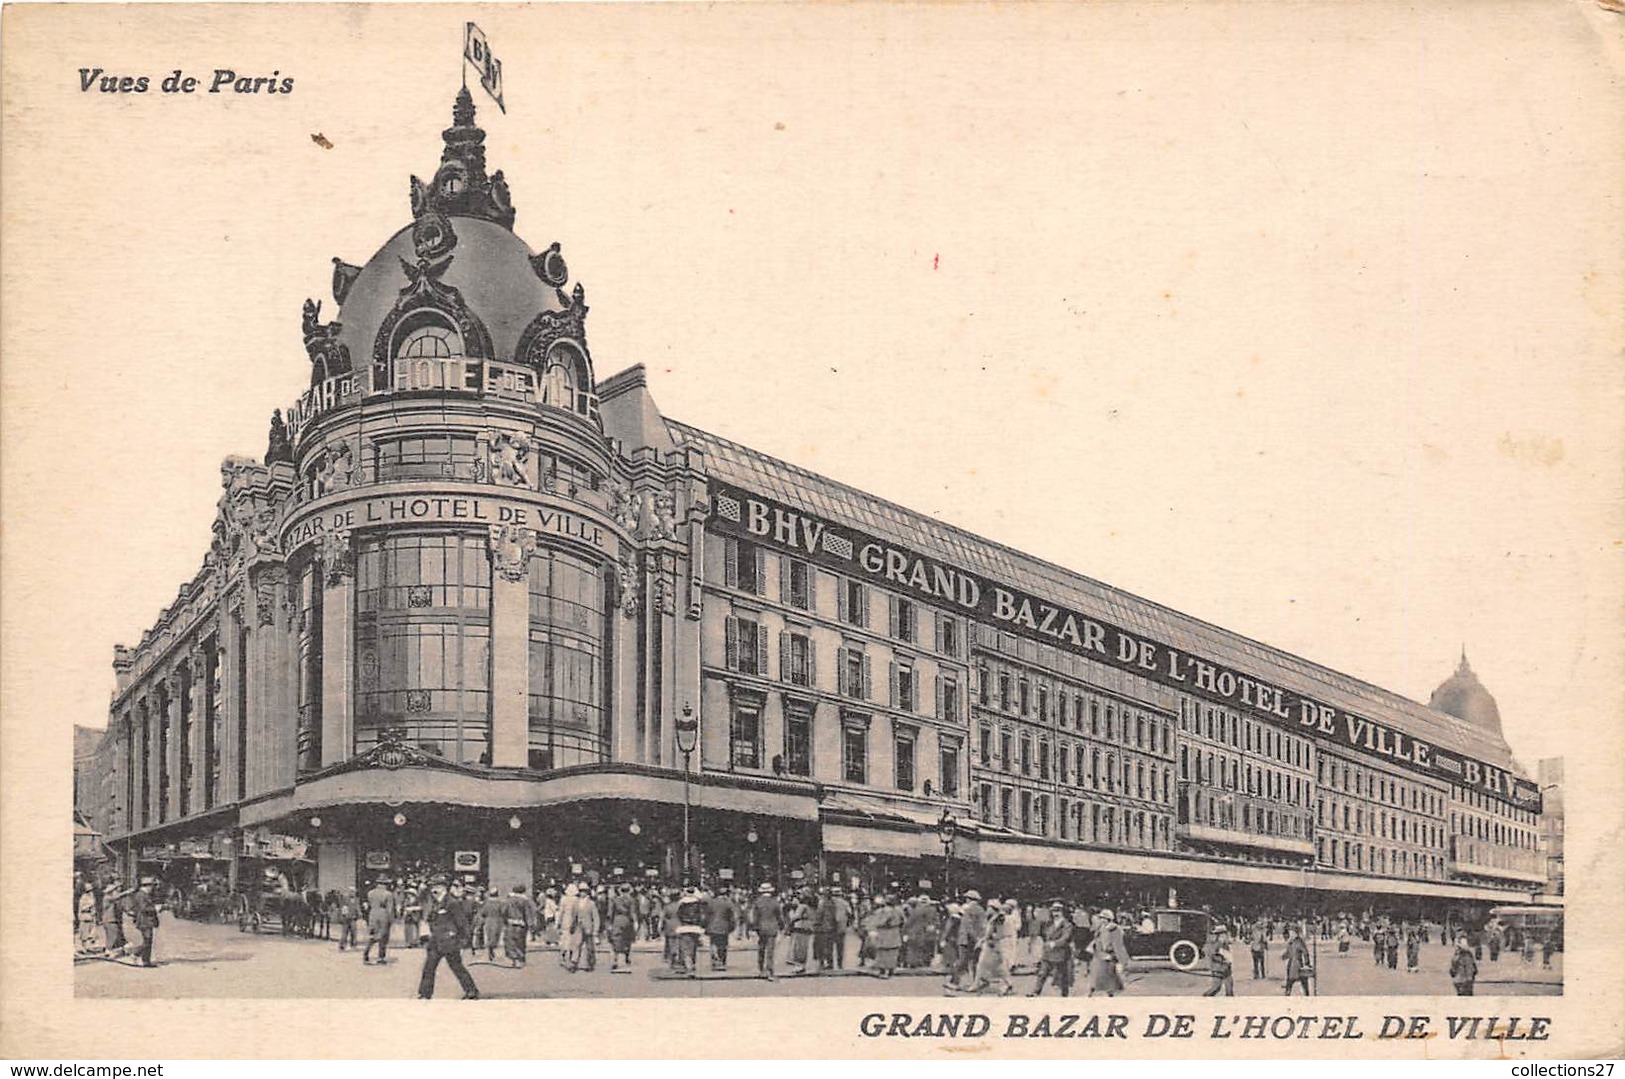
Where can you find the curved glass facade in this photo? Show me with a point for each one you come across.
(568, 627)
(423, 643)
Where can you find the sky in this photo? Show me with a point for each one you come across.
(1304, 321)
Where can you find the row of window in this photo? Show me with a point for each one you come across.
(746, 650)
(1226, 772)
(1239, 732)
(441, 456)
(1085, 822)
(1241, 813)
(1475, 799)
(745, 567)
(1335, 813)
(1078, 765)
(1337, 853)
(1012, 692)
(1337, 774)
(1492, 831)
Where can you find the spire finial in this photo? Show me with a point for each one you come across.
(1463, 665)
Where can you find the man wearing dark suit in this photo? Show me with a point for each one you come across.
(380, 917)
(144, 913)
(450, 930)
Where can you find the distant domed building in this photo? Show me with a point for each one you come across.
(480, 610)
(1462, 695)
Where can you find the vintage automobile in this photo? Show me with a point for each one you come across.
(1167, 935)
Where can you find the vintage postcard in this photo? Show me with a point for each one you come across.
(879, 531)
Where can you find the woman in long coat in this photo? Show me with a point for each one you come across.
(1108, 953)
(884, 928)
(800, 919)
(993, 965)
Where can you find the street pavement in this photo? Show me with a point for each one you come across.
(216, 961)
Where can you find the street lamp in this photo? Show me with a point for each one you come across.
(947, 829)
(688, 733)
(751, 837)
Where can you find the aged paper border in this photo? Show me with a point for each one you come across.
(56, 160)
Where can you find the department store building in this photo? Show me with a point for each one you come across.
(474, 602)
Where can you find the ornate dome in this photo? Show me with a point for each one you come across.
(1462, 695)
(454, 284)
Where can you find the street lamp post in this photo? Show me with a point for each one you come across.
(751, 837)
(688, 731)
(947, 829)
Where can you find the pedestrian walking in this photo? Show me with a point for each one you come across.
(998, 944)
(1413, 952)
(1463, 968)
(972, 930)
(884, 931)
(692, 913)
(1108, 955)
(113, 915)
(800, 918)
(345, 912)
(1055, 962)
(1220, 965)
(720, 922)
(89, 925)
(449, 931)
(1260, 949)
(380, 919)
(144, 917)
(519, 918)
(1297, 961)
(766, 918)
(622, 929)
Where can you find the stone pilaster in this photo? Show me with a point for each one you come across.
(197, 796)
(172, 717)
(338, 653)
(511, 548)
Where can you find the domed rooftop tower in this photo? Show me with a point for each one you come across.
(1462, 695)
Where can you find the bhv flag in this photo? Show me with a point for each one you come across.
(478, 52)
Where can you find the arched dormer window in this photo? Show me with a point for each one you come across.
(427, 335)
(563, 373)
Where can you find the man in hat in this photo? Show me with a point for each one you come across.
(692, 913)
(144, 915)
(972, 929)
(766, 919)
(492, 920)
(720, 920)
(1056, 960)
(1219, 964)
(449, 932)
(519, 918)
(1463, 968)
(622, 929)
(380, 917)
(113, 915)
(1297, 961)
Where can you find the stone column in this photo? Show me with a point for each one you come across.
(200, 730)
(230, 641)
(172, 716)
(338, 655)
(509, 864)
(511, 548)
(270, 720)
(335, 860)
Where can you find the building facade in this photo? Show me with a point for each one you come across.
(478, 608)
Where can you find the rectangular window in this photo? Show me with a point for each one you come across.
(1026, 755)
(905, 692)
(948, 766)
(744, 565)
(855, 753)
(855, 672)
(1043, 760)
(1043, 702)
(745, 736)
(1026, 811)
(986, 800)
(1004, 750)
(795, 583)
(904, 619)
(903, 761)
(948, 636)
(984, 678)
(1006, 797)
(985, 738)
(796, 658)
(948, 698)
(745, 645)
(797, 741)
(854, 603)
(1004, 691)
(1025, 695)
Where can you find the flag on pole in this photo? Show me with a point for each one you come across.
(478, 52)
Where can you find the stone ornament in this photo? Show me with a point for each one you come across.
(337, 555)
(623, 505)
(629, 584)
(510, 459)
(664, 523)
(337, 471)
(511, 548)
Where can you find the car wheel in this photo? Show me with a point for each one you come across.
(1184, 954)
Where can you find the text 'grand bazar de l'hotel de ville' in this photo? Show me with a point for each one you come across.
(481, 610)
